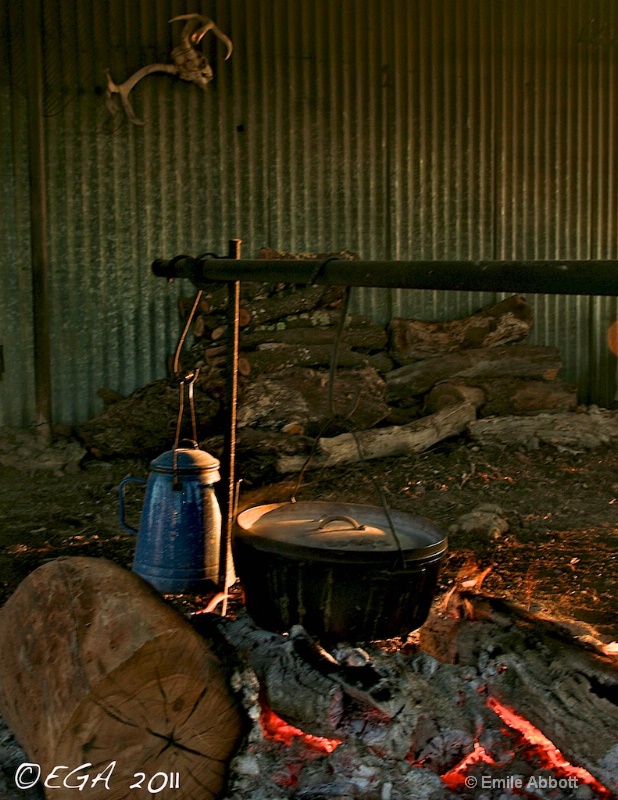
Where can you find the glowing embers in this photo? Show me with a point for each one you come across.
(456, 778)
(278, 730)
(529, 744)
(540, 749)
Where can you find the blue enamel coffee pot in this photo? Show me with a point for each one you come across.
(179, 536)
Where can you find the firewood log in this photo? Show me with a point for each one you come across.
(515, 361)
(368, 337)
(506, 396)
(413, 340)
(572, 430)
(95, 668)
(392, 441)
(302, 300)
(143, 424)
(274, 357)
(302, 395)
(448, 394)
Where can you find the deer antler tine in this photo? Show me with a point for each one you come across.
(208, 25)
(124, 88)
(198, 35)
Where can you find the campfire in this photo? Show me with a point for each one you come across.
(467, 698)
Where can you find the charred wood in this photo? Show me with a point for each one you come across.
(567, 688)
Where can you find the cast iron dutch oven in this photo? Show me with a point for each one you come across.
(341, 570)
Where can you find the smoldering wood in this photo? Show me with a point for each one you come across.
(95, 667)
(579, 431)
(389, 707)
(408, 439)
(302, 696)
(497, 324)
(565, 686)
(506, 396)
(301, 395)
(521, 361)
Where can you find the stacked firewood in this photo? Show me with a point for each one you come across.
(315, 379)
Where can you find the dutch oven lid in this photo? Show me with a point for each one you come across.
(338, 529)
(188, 461)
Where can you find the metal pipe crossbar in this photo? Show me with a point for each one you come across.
(535, 277)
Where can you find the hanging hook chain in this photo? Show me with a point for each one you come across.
(345, 420)
(188, 379)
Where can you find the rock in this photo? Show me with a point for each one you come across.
(26, 450)
(486, 521)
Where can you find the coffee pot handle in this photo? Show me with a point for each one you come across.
(123, 483)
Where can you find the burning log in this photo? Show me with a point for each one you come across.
(413, 437)
(514, 361)
(566, 688)
(384, 705)
(95, 668)
(505, 322)
(299, 694)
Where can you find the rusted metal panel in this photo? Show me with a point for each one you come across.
(433, 129)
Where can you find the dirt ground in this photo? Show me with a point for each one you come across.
(559, 554)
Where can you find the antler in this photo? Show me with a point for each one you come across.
(124, 88)
(208, 25)
(193, 65)
(190, 65)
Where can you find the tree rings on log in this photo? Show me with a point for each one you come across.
(96, 671)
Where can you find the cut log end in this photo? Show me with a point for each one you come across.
(96, 669)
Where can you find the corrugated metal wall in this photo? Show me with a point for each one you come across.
(401, 129)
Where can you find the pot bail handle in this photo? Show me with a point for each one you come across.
(325, 520)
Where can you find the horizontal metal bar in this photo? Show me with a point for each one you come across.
(535, 277)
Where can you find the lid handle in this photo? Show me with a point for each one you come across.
(192, 442)
(350, 520)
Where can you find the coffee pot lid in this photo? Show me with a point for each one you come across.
(187, 461)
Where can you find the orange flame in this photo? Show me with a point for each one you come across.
(545, 750)
(280, 731)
